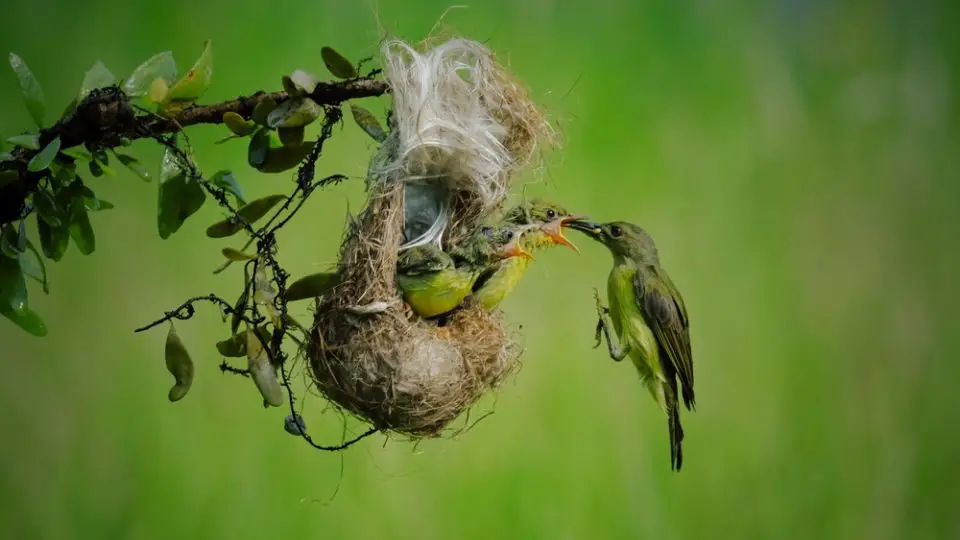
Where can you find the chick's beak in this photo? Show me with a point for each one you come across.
(554, 230)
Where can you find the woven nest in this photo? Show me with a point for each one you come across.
(459, 120)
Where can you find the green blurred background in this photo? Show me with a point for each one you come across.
(796, 161)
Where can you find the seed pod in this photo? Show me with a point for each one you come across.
(262, 372)
(179, 365)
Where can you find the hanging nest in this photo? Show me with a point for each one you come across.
(461, 123)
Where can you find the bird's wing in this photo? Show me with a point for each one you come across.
(663, 309)
(422, 260)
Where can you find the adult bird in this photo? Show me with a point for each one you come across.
(649, 319)
(434, 282)
(501, 277)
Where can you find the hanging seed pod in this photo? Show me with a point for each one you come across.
(262, 372)
(179, 365)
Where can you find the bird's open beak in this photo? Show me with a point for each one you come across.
(514, 249)
(590, 228)
(554, 230)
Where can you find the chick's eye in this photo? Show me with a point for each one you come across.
(551, 213)
(508, 236)
(615, 231)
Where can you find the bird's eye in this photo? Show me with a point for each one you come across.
(615, 231)
(551, 213)
(508, 236)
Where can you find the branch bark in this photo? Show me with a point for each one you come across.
(106, 117)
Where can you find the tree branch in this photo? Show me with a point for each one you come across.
(106, 117)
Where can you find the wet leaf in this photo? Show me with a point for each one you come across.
(264, 107)
(237, 124)
(46, 207)
(369, 123)
(179, 196)
(291, 136)
(264, 375)
(80, 228)
(32, 266)
(134, 165)
(195, 82)
(258, 148)
(159, 66)
(227, 181)
(158, 90)
(30, 141)
(237, 255)
(179, 364)
(294, 425)
(311, 286)
(13, 286)
(26, 319)
(53, 240)
(285, 158)
(337, 64)
(251, 212)
(96, 77)
(30, 87)
(294, 112)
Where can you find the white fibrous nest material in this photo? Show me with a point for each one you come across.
(461, 128)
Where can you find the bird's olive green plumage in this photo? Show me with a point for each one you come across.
(434, 282)
(649, 319)
(501, 277)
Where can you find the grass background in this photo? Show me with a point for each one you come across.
(796, 161)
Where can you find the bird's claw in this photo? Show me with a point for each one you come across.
(598, 335)
(601, 309)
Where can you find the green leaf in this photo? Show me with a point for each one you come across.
(179, 196)
(30, 87)
(236, 345)
(294, 112)
(10, 241)
(262, 109)
(80, 228)
(72, 106)
(311, 286)
(78, 153)
(6, 156)
(250, 213)
(26, 319)
(30, 141)
(134, 165)
(53, 240)
(368, 123)
(96, 205)
(258, 148)
(46, 207)
(159, 66)
(179, 364)
(236, 255)
(157, 93)
(337, 64)
(32, 266)
(238, 125)
(44, 158)
(194, 82)
(291, 136)
(13, 287)
(96, 77)
(285, 158)
(227, 181)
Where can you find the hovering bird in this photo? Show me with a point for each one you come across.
(650, 321)
(501, 277)
(434, 282)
